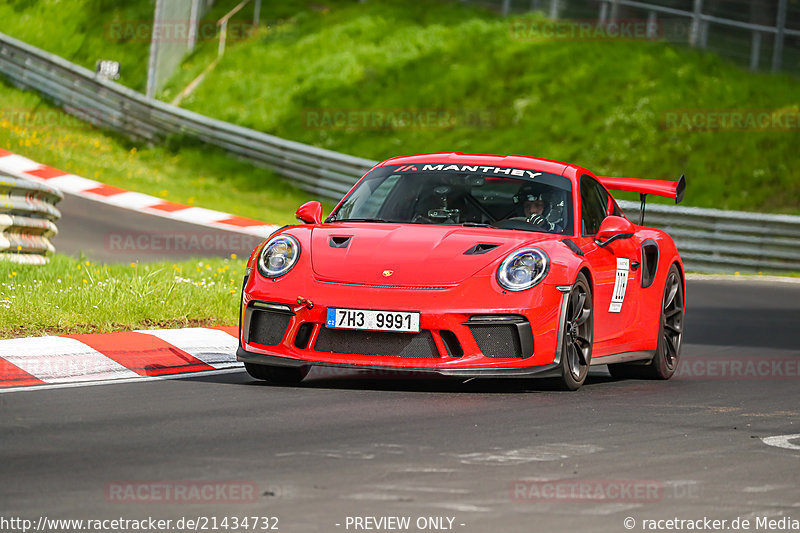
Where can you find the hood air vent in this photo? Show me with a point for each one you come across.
(481, 248)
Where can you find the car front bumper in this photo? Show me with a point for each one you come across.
(465, 330)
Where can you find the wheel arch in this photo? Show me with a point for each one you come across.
(677, 262)
(587, 272)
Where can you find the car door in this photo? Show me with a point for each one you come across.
(615, 267)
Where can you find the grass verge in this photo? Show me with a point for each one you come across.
(78, 296)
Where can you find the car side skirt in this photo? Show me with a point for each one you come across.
(625, 357)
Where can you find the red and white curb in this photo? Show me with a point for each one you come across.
(21, 167)
(124, 355)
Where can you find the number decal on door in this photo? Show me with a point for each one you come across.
(621, 283)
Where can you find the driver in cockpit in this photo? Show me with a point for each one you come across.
(539, 207)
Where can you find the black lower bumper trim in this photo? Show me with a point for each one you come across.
(543, 371)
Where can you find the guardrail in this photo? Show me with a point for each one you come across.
(714, 240)
(710, 240)
(27, 220)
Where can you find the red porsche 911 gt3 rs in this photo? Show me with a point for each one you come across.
(468, 265)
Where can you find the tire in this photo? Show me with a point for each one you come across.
(578, 335)
(280, 375)
(670, 336)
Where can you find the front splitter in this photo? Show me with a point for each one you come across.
(542, 371)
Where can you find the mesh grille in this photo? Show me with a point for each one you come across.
(499, 341)
(377, 343)
(267, 327)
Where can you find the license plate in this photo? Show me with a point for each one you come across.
(373, 320)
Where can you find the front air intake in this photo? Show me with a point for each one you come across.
(268, 325)
(502, 336)
(420, 345)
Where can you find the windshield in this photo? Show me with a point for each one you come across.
(423, 194)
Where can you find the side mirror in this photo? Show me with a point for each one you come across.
(309, 213)
(613, 228)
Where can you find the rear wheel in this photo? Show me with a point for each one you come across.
(280, 375)
(670, 336)
(578, 333)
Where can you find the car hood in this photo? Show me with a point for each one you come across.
(409, 254)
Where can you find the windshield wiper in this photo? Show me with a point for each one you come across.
(475, 225)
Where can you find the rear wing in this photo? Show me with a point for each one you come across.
(668, 189)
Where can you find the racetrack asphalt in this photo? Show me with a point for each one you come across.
(111, 234)
(495, 456)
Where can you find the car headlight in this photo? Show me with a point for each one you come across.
(523, 269)
(278, 256)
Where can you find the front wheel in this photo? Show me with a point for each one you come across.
(670, 336)
(280, 375)
(577, 335)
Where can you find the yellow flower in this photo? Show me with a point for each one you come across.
(133, 265)
(233, 256)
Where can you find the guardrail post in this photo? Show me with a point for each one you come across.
(152, 62)
(193, 24)
(652, 25)
(554, 9)
(755, 50)
(614, 15)
(694, 32)
(780, 25)
(704, 34)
